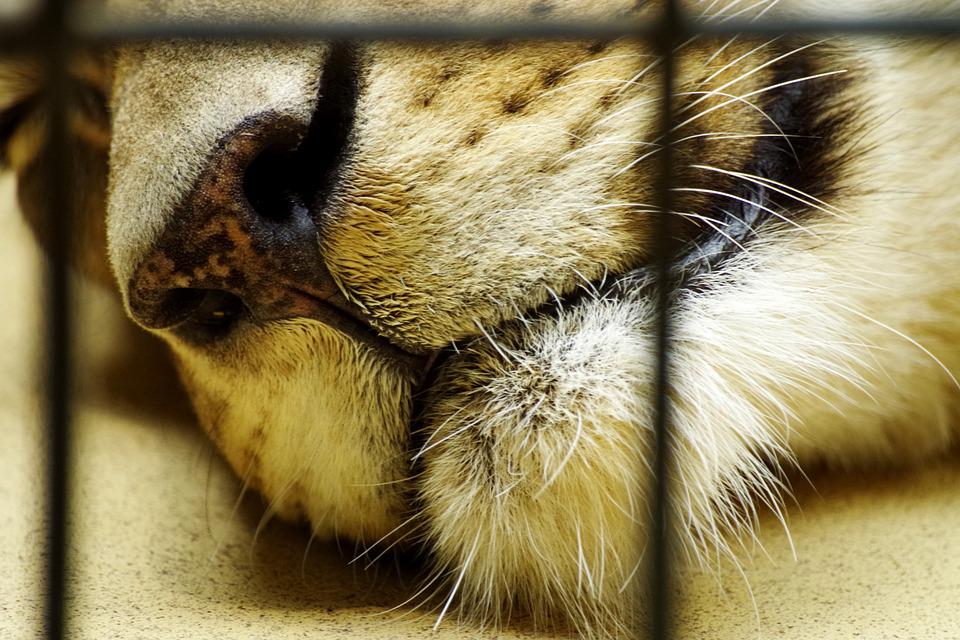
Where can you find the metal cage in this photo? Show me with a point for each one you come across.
(51, 32)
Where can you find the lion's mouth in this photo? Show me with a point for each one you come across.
(789, 171)
(220, 314)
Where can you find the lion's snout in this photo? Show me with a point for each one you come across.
(246, 242)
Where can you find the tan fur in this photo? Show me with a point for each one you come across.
(487, 180)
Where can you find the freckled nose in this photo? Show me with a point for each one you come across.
(244, 241)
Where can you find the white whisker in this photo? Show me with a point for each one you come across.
(747, 201)
(456, 585)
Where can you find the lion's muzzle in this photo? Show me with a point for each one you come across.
(245, 243)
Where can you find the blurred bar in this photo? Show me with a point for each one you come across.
(15, 36)
(659, 594)
(54, 36)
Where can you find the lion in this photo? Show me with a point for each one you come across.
(408, 286)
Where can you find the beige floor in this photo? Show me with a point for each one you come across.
(160, 552)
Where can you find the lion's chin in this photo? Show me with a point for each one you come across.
(315, 422)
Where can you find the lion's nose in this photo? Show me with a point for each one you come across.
(246, 240)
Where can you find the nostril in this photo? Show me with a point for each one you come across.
(213, 315)
(293, 170)
(164, 310)
(217, 309)
(209, 310)
(270, 184)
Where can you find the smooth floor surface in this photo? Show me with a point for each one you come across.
(162, 548)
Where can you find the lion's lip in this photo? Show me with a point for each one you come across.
(335, 311)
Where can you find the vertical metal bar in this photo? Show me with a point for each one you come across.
(660, 584)
(56, 310)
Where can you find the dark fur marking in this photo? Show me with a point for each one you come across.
(516, 103)
(449, 73)
(551, 77)
(550, 167)
(598, 47)
(474, 137)
(815, 114)
(578, 134)
(607, 99)
(427, 93)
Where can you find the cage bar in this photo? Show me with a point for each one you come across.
(18, 35)
(53, 32)
(659, 583)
